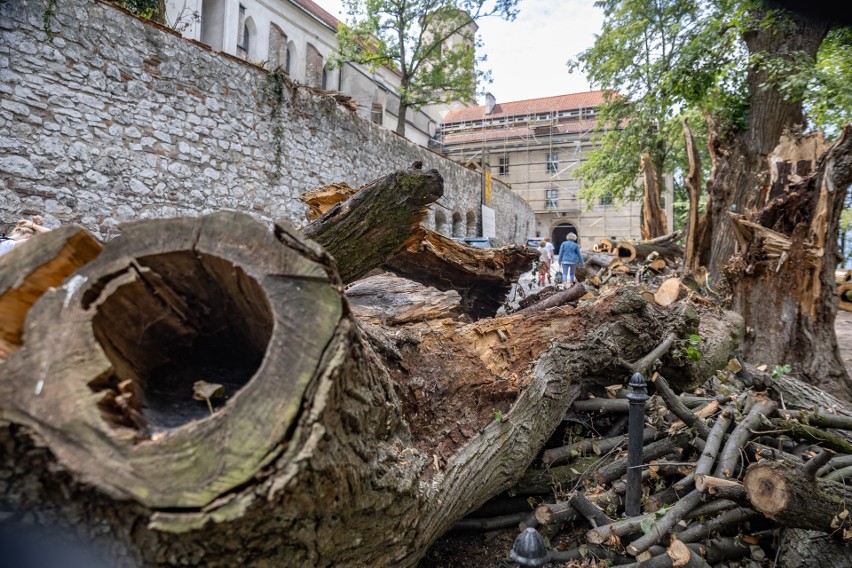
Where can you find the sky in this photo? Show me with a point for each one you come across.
(527, 57)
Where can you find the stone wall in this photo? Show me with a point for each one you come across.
(106, 118)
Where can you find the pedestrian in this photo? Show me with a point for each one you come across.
(543, 262)
(24, 230)
(551, 255)
(569, 257)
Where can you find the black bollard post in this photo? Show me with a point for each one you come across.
(529, 549)
(635, 425)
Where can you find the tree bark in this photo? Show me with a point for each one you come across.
(653, 216)
(334, 443)
(786, 259)
(692, 180)
(784, 493)
(739, 183)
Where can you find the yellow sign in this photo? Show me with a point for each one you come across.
(487, 187)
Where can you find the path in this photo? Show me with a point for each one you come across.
(843, 329)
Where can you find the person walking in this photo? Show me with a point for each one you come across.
(569, 257)
(543, 263)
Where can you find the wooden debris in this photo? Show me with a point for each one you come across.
(668, 293)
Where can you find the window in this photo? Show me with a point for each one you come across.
(504, 165)
(377, 113)
(553, 162)
(279, 56)
(550, 196)
(606, 199)
(243, 34)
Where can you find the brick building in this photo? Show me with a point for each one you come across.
(534, 146)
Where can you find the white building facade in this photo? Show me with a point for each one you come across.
(298, 38)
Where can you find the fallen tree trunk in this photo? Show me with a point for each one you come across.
(31, 269)
(357, 232)
(331, 443)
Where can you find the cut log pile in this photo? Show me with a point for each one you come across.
(729, 472)
(650, 261)
(214, 392)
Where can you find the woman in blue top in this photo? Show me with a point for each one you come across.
(569, 257)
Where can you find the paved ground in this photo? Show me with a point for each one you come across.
(843, 328)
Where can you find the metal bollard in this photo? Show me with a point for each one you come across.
(635, 426)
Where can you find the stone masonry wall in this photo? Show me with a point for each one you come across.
(105, 118)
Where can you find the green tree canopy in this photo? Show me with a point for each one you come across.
(430, 43)
(671, 59)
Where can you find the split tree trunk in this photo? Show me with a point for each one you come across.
(786, 259)
(740, 183)
(333, 443)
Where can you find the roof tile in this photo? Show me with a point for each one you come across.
(530, 106)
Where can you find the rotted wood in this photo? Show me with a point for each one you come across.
(359, 233)
(324, 198)
(482, 277)
(796, 500)
(32, 268)
(391, 300)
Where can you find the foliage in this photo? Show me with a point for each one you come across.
(671, 59)
(781, 370)
(688, 349)
(148, 9)
(431, 43)
(656, 54)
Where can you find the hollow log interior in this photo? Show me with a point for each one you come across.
(171, 320)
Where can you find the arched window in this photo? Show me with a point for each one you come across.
(470, 218)
(441, 226)
(314, 68)
(246, 37)
(278, 56)
(458, 225)
(291, 57)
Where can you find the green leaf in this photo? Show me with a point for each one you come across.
(646, 525)
(498, 416)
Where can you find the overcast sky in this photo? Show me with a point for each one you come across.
(527, 56)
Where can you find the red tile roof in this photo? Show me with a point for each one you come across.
(530, 106)
(492, 134)
(315, 10)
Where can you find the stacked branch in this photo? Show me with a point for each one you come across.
(708, 475)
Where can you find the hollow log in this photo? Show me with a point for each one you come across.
(332, 442)
(789, 496)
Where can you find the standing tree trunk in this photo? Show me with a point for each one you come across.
(786, 260)
(653, 217)
(786, 322)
